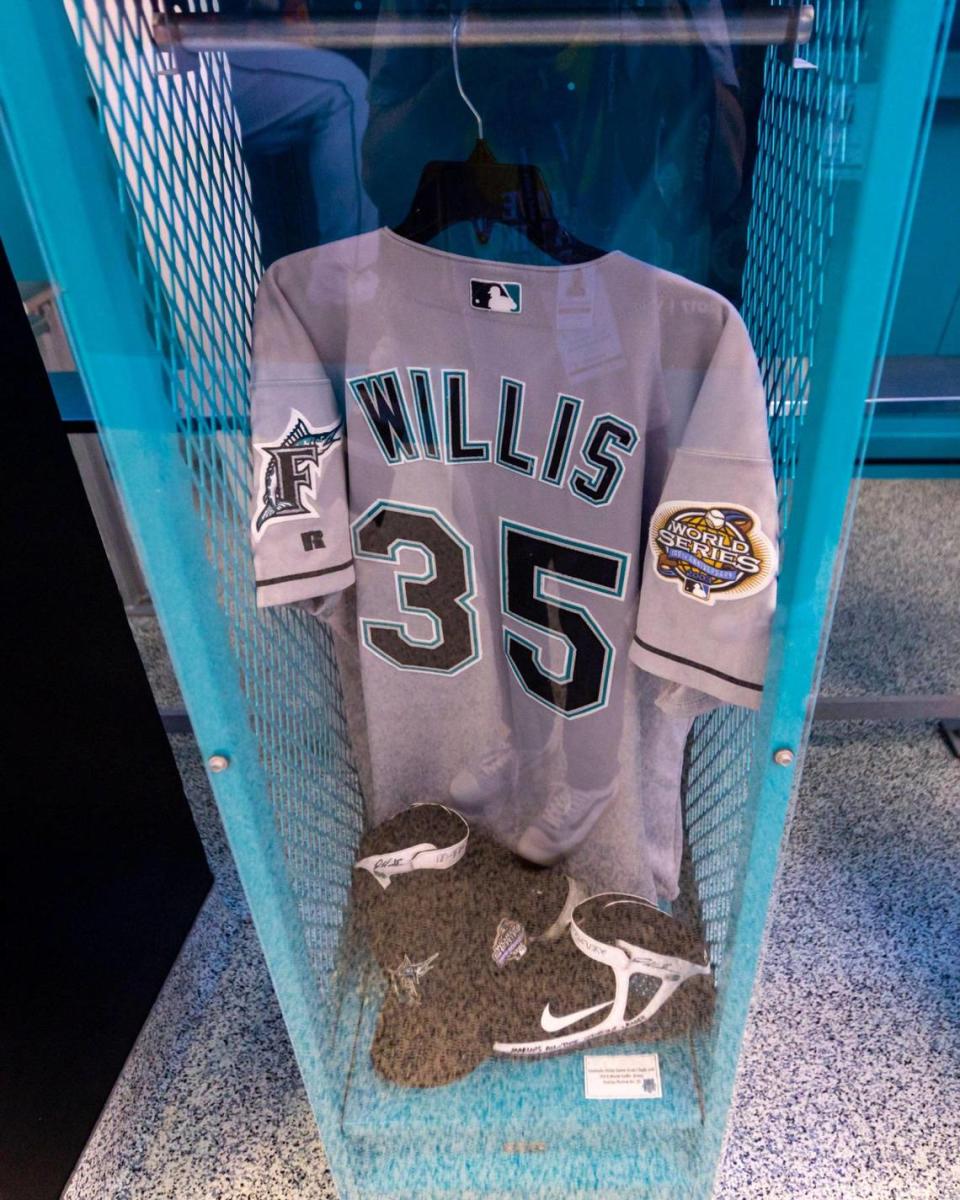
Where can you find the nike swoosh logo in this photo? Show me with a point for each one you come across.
(551, 1024)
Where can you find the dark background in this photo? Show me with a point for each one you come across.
(101, 869)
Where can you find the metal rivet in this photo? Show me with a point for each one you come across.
(783, 757)
(218, 762)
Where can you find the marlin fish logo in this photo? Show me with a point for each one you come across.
(289, 465)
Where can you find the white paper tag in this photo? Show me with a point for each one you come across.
(422, 857)
(575, 300)
(587, 334)
(622, 1077)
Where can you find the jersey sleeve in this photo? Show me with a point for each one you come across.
(299, 522)
(709, 577)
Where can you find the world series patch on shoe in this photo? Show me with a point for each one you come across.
(714, 551)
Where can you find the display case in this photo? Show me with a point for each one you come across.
(764, 155)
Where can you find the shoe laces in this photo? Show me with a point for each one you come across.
(567, 802)
(494, 760)
(558, 808)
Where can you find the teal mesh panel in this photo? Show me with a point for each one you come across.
(184, 195)
(803, 149)
(175, 164)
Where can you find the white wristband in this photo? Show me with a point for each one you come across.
(423, 857)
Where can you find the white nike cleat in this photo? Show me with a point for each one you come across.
(563, 824)
(494, 776)
(474, 789)
(668, 962)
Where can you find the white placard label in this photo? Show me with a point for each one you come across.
(622, 1077)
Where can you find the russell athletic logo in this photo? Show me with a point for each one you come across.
(494, 295)
(711, 551)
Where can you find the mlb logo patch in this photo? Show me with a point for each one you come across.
(494, 295)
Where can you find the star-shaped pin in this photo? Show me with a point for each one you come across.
(405, 979)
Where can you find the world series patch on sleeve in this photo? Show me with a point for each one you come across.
(714, 551)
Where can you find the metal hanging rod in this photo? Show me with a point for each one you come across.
(787, 26)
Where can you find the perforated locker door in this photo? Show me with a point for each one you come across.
(142, 200)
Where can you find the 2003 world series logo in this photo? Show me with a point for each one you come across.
(713, 551)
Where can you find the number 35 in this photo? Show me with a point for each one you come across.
(445, 590)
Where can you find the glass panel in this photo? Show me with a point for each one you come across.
(488, 348)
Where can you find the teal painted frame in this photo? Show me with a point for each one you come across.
(906, 41)
(62, 167)
(64, 177)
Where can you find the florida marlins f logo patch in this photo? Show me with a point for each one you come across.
(711, 551)
(290, 469)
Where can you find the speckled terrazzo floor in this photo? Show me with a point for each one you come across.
(896, 627)
(849, 1082)
(210, 1105)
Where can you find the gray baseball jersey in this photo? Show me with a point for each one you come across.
(552, 490)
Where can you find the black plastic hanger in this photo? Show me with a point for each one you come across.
(487, 193)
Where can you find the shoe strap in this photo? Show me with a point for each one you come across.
(623, 955)
(425, 856)
(576, 893)
(625, 960)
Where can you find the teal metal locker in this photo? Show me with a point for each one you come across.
(137, 189)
